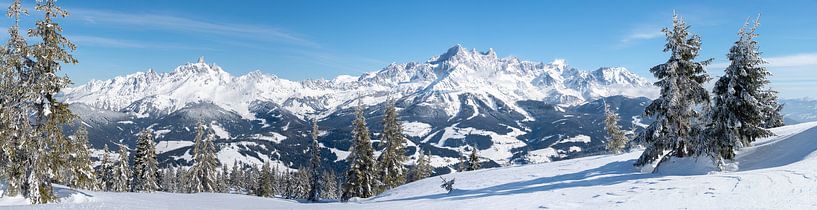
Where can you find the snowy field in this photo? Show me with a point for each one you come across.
(777, 173)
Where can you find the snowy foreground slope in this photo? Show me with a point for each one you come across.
(777, 173)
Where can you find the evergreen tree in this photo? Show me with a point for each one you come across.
(302, 183)
(252, 177)
(235, 176)
(473, 160)
(360, 178)
(168, 181)
(34, 146)
(288, 184)
(145, 166)
(224, 179)
(265, 183)
(738, 115)
(181, 183)
(203, 172)
(121, 172)
(316, 183)
(616, 139)
(680, 79)
(13, 157)
(330, 187)
(82, 173)
(462, 165)
(105, 171)
(772, 117)
(422, 169)
(392, 170)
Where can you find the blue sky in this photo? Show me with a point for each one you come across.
(321, 39)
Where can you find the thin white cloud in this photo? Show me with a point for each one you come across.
(181, 24)
(796, 60)
(83, 40)
(800, 60)
(792, 74)
(106, 42)
(641, 35)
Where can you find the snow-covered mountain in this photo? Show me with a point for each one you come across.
(799, 110)
(456, 72)
(508, 108)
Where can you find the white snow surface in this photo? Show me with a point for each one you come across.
(166, 146)
(416, 129)
(575, 139)
(776, 173)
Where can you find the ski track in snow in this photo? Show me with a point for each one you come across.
(768, 178)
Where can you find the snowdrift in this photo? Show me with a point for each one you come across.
(776, 173)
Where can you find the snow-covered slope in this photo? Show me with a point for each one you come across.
(776, 173)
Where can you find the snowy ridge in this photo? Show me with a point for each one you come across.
(435, 82)
(776, 173)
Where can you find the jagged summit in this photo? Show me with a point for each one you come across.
(458, 53)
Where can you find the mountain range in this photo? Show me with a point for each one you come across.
(511, 110)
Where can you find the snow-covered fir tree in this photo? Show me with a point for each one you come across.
(35, 148)
(473, 160)
(772, 117)
(235, 176)
(203, 173)
(422, 169)
(302, 177)
(251, 178)
(329, 189)
(288, 184)
(315, 182)
(82, 172)
(104, 173)
(265, 182)
(392, 171)
(168, 180)
(122, 172)
(145, 166)
(676, 110)
(224, 179)
(737, 116)
(616, 138)
(360, 177)
(181, 183)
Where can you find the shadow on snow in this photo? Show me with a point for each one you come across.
(609, 174)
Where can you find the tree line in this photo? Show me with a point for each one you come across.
(365, 177)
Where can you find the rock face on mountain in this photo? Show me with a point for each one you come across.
(511, 110)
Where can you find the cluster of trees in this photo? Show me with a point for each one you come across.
(689, 121)
(367, 176)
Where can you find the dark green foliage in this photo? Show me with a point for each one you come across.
(360, 177)
(676, 111)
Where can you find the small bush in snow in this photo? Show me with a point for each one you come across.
(448, 185)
